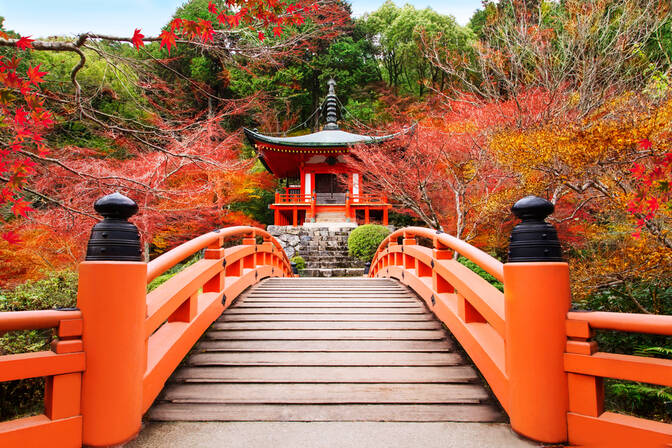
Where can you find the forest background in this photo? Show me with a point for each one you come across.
(569, 100)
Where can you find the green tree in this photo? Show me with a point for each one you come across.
(402, 35)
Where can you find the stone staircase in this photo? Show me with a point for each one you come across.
(326, 254)
(325, 249)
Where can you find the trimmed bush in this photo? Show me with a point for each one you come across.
(300, 262)
(364, 241)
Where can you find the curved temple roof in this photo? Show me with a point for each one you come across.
(282, 156)
(322, 139)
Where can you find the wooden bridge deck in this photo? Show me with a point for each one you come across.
(326, 350)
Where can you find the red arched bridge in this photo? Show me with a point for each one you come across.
(324, 350)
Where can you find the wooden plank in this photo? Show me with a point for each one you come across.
(422, 325)
(324, 346)
(325, 359)
(340, 293)
(443, 374)
(327, 290)
(400, 306)
(331, 310)
(327, 334)
(294, 299)
(227, 317)
(325, 393)
(321, 413)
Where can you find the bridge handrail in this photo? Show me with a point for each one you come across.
(589, 424)
(35, 320)
(471, 308)
(165, 261)
(62, 366)
(487, 262)
(627, 322)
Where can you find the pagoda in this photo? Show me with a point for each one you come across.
(325, 188)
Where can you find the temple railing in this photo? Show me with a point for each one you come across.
(285, 198)
(537, 357)
(61, 422)
(115, 353)
(365, 199)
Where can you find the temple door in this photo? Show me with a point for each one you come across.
(328, 189)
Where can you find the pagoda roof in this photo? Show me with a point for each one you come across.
(319, 140)
(282, 156)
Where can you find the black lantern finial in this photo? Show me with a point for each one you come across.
(114, 238)
(534, 239)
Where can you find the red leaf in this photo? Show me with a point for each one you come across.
(653, 204)
(176, 23)
(212, 8)
(261, 36)
(645, 144)
(277, 31)
(11, 237)
(167, 40)
(206, 30)
(137, 39)
(21, 207)
(35, 75)
(20, 116)
(25, 43)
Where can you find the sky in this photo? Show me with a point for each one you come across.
(42, 18)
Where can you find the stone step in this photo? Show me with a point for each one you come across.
(347, 272)
(331, 258)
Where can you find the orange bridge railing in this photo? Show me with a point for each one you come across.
(114, 354)
(537, 357)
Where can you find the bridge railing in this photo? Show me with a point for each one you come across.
(537, 357)
(586, 366)
(115, 353)
(472, 308)
(62, 366)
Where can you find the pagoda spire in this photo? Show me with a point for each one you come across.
(332, 107)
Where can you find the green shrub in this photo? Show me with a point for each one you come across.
(643, 400)
(58, 290)
(300, 262)
(481, 272)
(163, 278)
(364, 241)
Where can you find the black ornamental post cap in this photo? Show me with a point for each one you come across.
(295, 269)
(534, 239)
(533, 207)
(367, 267)
(116, 206)
(114, 238)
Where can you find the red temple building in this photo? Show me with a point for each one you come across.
(328, 189)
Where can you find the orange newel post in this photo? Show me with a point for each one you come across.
(537, 300)
(112, 298)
